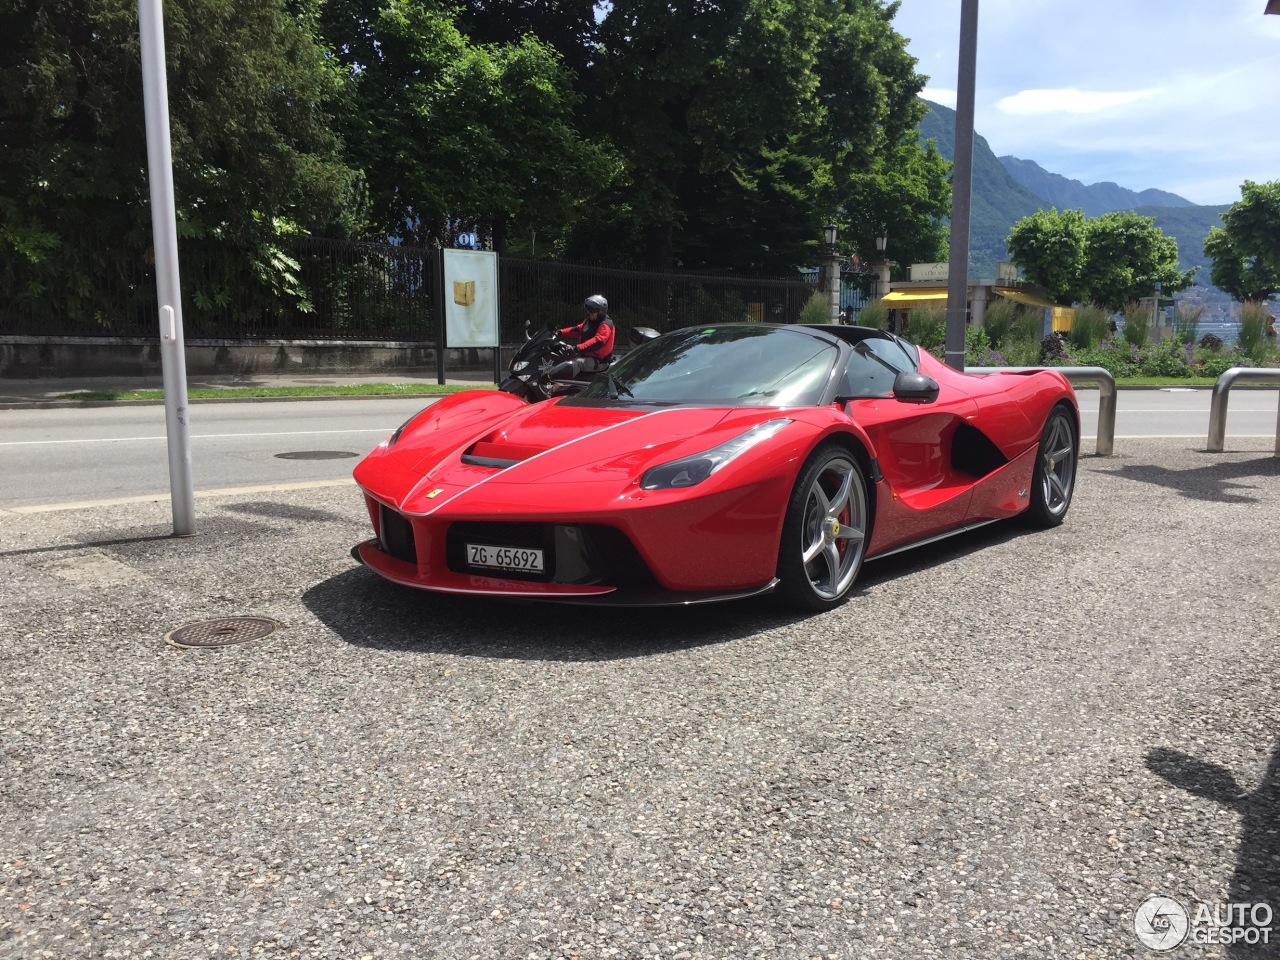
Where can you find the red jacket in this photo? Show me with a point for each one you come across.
(593, 337)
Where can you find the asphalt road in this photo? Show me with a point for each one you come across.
(1001, 746)
(60, 455)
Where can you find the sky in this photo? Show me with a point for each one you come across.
(1179, 95)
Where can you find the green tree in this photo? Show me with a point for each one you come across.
(452, 133)
(253, 153)
(1107, 260)
(1246, 249)
(1050, 248)
(746, 125)
(1125, 256)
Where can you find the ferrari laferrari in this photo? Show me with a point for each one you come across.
(716, 463)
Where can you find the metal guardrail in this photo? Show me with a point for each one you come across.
(1106, 441)
(1222, 390)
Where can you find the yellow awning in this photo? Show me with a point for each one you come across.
(911, 298)
(1021, 296)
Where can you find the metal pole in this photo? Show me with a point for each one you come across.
(164, 232)
(961, 187)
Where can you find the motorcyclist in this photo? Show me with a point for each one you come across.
(594, 342)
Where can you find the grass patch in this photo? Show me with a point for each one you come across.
(266, 393)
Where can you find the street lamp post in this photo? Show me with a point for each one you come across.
(1155, 315)
(882, 268)
(833, 270)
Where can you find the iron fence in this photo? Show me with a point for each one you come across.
(342, 290)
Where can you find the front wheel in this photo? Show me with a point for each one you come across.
(825, 532)
(1054, 479)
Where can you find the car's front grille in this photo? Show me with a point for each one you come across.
(396, 534)
(572, 553)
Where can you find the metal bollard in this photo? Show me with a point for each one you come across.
(1222, 391)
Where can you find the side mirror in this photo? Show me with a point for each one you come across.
(912, 387)
(641, 335)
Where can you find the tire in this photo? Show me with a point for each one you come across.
(1054, 479)
(824, 534)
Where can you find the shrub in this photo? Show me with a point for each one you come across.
(999, 322)
(1089, 328)
(1166, 359)
(874, 314)
(1053, 350)
(1186, 322)
(1116, 357)
(1216, 364)
(1211, 342)
(817, 309)
(927, 327)
(1253, 328)
(1137, 323)
(1021, 353)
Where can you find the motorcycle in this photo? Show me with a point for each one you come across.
(528, 375)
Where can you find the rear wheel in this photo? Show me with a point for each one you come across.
(1054, 479)
(825, 531)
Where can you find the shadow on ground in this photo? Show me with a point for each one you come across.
(1257, 873)
(364, 610)
(1217, 481)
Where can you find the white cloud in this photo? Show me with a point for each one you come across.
(941, 95)
(1069, 100)
(1146, 93)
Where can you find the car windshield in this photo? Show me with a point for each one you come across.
(737, 365)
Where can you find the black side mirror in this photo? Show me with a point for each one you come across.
(641, 335)
(912, 387)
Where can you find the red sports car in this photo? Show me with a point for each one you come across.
(714, 463)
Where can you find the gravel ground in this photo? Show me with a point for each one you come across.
(999, 747)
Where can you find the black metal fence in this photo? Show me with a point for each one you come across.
(339, 290)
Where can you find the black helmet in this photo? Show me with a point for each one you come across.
(596, 304)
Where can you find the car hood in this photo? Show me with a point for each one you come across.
(550, 444)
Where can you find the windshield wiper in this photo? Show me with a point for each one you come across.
(862, 349)
(616, 386)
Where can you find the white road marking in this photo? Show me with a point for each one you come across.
(157, 497)
(198, 436)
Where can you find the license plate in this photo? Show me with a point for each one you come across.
(523, 559)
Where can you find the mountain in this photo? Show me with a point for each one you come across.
(1094, 199)
(997, 202)
(1006, 189)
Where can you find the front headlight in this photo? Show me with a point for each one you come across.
(692, 470)
(516, 367)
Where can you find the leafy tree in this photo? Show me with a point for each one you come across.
(1050, 248)
(1125, 255)
(1107, 260)
(746, 125)
(254, 157)
(1246, 250)
(451, 133)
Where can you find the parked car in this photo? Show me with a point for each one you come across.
(715, 463)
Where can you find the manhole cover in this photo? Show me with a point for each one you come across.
(317, 455)
(222, 632)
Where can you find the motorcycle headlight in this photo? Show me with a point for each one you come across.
(520, 365)
(692, 470)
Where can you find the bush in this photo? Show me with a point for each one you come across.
(927, 327)
(1137, 323)
(1167, 359)
(1216, 364)
(1186, 322)
(1211, 342)
(1253, 328)
(999, 321)
(1118, 358)
(874, 314)
(817, 309)
(1053, 350)
(1021, 353)
(1089, 328)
